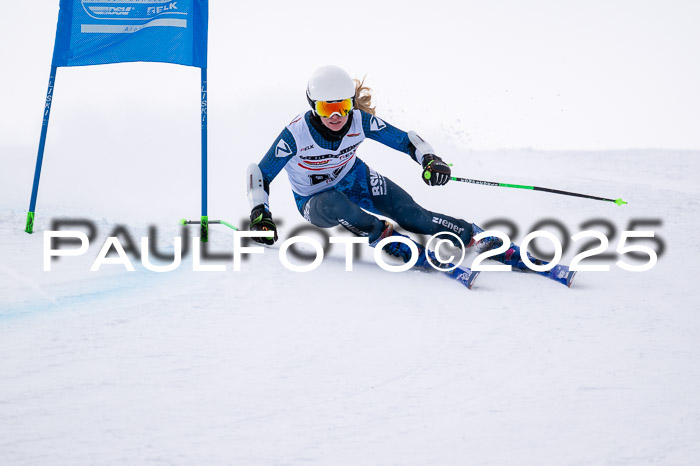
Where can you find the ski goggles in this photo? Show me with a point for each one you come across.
(328, 109)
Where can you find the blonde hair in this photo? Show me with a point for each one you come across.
(363, 97)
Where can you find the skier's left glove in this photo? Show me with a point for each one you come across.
(261, 220)
(435, 171)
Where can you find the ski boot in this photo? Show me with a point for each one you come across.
(426, 259)
(512, 257)
(399, 249)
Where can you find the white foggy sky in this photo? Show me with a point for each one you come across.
(502, 74)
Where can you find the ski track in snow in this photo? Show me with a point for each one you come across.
(267, 366)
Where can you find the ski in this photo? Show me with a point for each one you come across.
(463, 275)
(561, 274)
(558, 273)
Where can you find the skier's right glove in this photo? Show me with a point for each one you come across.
(261, 220)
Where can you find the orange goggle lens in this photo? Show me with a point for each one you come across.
(327, 109)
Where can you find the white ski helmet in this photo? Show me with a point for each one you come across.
(329, 84)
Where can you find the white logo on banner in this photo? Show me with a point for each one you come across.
(132, 9)
(111, 10)
(156, 10)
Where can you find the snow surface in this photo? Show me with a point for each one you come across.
(267, 366)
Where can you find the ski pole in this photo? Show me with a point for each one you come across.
(214, 222)
(537, 188)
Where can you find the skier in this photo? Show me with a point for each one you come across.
(332, 186)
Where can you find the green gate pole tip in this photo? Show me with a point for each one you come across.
(619, 202)
(204, 229)
(183, 221)
(29, 227)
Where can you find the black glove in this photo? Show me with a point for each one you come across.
(261, 220)
(435, 171)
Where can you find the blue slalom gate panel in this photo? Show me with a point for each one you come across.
(97, 32)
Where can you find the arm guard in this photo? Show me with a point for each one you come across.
(419, 148)
(258, 189)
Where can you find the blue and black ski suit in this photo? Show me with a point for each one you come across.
(332, 186)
